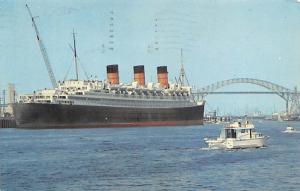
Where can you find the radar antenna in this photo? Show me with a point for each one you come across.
(43, 51)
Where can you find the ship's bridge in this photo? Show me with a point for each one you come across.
(42, 96)
(79, 85)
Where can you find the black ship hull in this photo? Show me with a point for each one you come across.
(38, 115)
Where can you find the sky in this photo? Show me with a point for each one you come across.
(221, 39)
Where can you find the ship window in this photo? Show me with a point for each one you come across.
(243, 131)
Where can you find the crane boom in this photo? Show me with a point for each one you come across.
(43, 51)
(75, 55)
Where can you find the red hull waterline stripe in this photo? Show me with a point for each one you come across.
(101, 125)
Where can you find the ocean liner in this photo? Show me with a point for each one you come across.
(90, 103)
(108, 103)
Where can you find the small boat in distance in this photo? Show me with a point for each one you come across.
(290, 129)
(237, 135)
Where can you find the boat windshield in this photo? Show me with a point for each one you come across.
(230, 133)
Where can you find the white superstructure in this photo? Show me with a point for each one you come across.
(94, 92)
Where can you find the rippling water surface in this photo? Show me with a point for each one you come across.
(152, 158)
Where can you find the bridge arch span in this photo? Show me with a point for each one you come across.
(281, 91)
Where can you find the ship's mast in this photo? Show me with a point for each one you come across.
(43, 51)
(182, 72)
(75, 55)
(182, 77)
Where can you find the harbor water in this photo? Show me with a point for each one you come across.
(152, 158)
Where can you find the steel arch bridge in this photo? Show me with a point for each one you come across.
(290, 96)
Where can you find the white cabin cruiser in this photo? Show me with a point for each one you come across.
(237, 135)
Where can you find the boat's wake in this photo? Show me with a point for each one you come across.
(229, 149)
(289, 132)
(209, 148)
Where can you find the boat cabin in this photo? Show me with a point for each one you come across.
(239, 130)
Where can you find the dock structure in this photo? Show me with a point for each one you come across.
(7, 99)
(7, 122)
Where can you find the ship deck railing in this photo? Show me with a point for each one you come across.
(158, 97)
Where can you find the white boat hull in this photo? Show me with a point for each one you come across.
(246, 143)
(216, 143)
(236, 144)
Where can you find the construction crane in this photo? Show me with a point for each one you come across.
(43, 51)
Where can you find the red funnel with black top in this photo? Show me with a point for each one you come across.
(112, 74)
